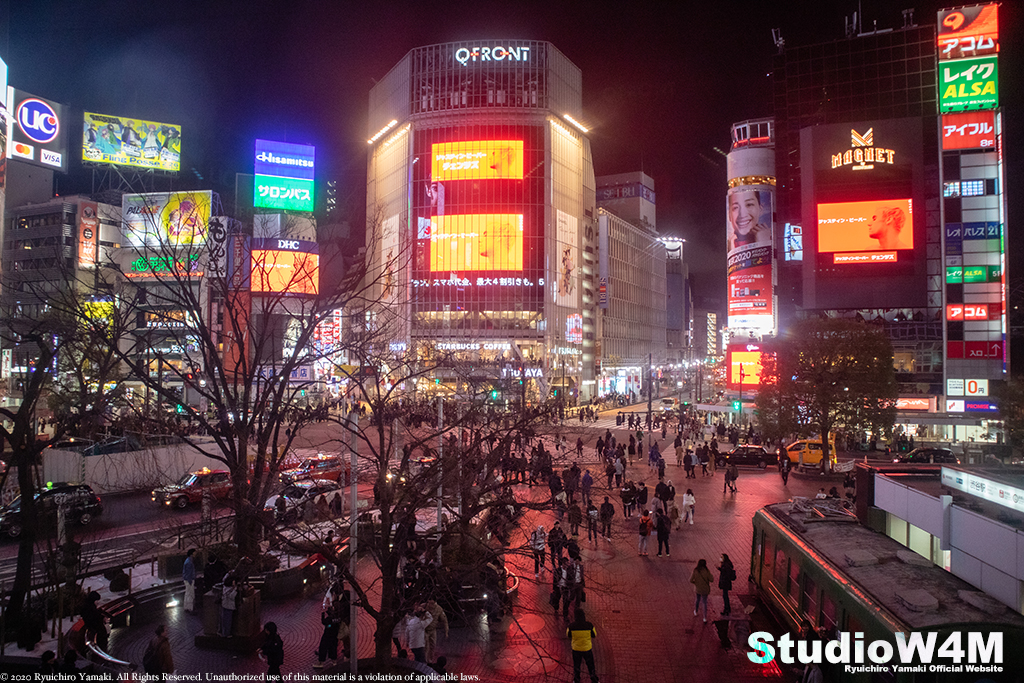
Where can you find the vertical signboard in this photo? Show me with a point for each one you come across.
(567, 266)
(749, 211)
(968, 84)
(88, 234)
(37, 131)
(284, 176)
(968, 31)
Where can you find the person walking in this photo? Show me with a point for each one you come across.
(556, 541)
(328, 647)
(538, 544)
(188, 576)
(586, 484)
(416, 632)
(701, 579)
(628, 496)
(784, 469)
(620, 469)
(645, 528)
(579, 447)
(607, 513)
(272, 651)
(581, 634)
(228, 602)
(689, 503)
(663, 527)
(592, 515)
(726, 575)
(157, 658)
(734, 474)
(575, 519)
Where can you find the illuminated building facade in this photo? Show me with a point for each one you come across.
(482, 227)
(891, 205)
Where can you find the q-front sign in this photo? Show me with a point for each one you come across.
(494, 53)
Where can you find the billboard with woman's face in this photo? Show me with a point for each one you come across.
(750, 258)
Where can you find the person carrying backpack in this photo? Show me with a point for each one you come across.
(646, 526)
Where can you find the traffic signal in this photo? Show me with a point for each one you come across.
(494, 394)
(737, 406)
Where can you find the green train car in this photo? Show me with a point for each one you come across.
(812, 560)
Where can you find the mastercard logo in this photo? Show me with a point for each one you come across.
(20, 149)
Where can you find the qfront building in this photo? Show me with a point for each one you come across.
(482, 226)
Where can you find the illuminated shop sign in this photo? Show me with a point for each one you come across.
(286, 271)
(967, 312)
(477, 282)
(924, 403)
(793, 242)
(863, 155)
(983, 487)
(969, 130)
(284, 175)
(155, 266)
(967, 84)
(521, 372)
(574, 329)
(36, 133)
(166, 219)
(479, 242)
(473, 346)
(476, 160)
(968, 31)
(169, 319)
(495, 53)
(967, 387)
(876, 226)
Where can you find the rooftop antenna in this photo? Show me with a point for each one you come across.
(908, 18)
(778, 39)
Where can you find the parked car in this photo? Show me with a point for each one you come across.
(321, 467)
(75, 443)
(748, 455)
(301, 492)
(928, 455)
(80, 503)
(193, 486)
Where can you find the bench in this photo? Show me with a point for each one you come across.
(144, 604)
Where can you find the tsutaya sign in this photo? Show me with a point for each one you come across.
(863, 155)
(497, 53)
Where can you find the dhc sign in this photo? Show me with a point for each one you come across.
(465, 55)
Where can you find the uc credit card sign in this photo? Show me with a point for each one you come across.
(37, 130)
(284, 176)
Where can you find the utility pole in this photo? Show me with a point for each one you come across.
(742, 375)
(650, 398)
(440, 470)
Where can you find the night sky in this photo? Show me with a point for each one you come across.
(663, 81)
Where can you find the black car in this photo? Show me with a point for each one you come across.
(748, 455)
(80, 503)
(928, 455)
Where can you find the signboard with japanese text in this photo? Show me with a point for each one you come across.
(285, 266)
(284, 175)
(968, 31)
(88, 234)
(174, 219)
(477, 160)
(750, 257)
(876, 226)
(968, 84)
(969, 130)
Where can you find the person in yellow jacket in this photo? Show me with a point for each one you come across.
(582, 634)
(701, 580)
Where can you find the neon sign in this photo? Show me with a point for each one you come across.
(863, 155)
(497, 53)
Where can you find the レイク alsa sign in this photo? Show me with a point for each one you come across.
(497, 53)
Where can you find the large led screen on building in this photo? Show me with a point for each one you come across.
(282, 266)
(123, 141)
(968, 31)
(37, 130)
(750, 258)
(744, 366)
(477, 160)
(865, 232)
(479, 233)
(164, 219)
(284, 175)
(478, 242)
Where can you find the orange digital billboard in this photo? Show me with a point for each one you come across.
(477, 160)
(484, 242)
(285, 272)
(875, 226)
(745, 368)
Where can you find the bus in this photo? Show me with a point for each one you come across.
(813, 560)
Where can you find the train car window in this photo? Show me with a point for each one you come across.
(811, 601)
(794, 582)
(781, 569)
(828, 614)
(768, 555)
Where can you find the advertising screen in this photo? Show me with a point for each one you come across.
(479, 242)
(37, 130)
(88, 234)
(282, 266)
(744, 360)
(968, 31)
(131, 142)
(166, 219)
(284, 175)
(477, 160)
(969, 130)
(968, 84)
(567, 266)
(874, 230)
(750, 257)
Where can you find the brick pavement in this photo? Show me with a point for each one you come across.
(641, 606)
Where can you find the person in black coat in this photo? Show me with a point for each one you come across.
(726, 575)
(95, 620)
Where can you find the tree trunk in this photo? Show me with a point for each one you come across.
(27, 541)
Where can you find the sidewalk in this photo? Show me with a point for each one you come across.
(642, 607)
